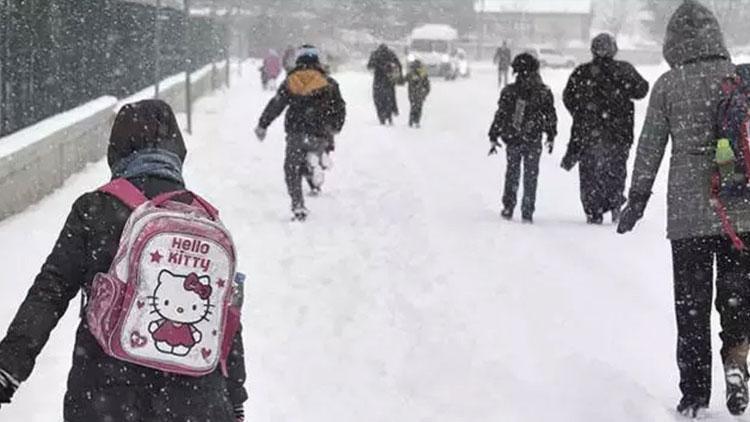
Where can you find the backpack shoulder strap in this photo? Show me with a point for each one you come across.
(125, 191)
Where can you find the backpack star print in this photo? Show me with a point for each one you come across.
(168, 299)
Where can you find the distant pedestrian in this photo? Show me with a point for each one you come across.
(387, 74)
(289, 60)
(525, 112)
(419, 87)
(502, 60)
(270, 70)
(599, 96)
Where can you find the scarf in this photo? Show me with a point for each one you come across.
(152, 162)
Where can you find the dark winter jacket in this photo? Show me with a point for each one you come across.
(314, 100)
(386, 66)
(419, 84)
(99, 385)
(526, 110)
(682, 107)
(599, 95)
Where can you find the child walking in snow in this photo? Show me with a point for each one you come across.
(146, 153)
(419, 88)
(316, 113)
(525, 112)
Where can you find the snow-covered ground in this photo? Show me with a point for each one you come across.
(405, 297)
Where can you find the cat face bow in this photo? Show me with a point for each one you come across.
(193, 284)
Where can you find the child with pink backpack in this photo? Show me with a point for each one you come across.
(159, 338)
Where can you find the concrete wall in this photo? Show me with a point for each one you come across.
(37, 160)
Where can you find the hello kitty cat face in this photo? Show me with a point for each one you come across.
(182, 299)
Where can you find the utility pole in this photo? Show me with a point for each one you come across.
(157, 48)
(482, 29)
(188, 70)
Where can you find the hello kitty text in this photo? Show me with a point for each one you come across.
(184, 253)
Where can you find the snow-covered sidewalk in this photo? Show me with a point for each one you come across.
(405, 297)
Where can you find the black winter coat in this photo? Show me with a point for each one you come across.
(316, 107)
(419, 84)
(386, 67)
(599, 95)
(99, 385)
(525, 111)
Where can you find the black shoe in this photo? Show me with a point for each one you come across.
(691, 407)
(299, 214)
(595, 219)
(736, 393)
(527, 219)
(507, 214)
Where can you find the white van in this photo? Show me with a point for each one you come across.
(435, 46)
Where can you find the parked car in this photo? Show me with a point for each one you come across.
(435, 46)
(550, 57)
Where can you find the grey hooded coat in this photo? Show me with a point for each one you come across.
(682, 107)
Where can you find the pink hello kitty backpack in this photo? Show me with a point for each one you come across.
(168, 301)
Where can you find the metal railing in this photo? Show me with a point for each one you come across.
(57, 54)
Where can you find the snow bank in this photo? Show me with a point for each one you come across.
(18, 140)
(36, 160)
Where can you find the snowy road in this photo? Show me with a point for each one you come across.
(405, 298)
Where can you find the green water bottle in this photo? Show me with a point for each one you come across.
(725, 158)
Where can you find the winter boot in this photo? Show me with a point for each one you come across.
(594, 219)
(527, 218)
(299, 214)
(735, 376)
(507, 214)
(691, 407)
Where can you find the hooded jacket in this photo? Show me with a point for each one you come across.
(99, 385)
(682, 107)
(316, 107)
(599, 95)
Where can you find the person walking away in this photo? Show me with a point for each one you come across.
(682, 107)
(316, 113)
(146, 152)
(525, 112)
(289, 60)
(270, 70)
(387, 74)
(599, 95)
(502, 60)
(419, 87)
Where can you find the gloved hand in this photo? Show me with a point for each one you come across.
(260, 133)
(633, 211)
(495, 145)
(550, 144)
(8, 386)
(239, 413)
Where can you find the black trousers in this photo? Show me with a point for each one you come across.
(603, 173)
(295, 163)
(693, 261)
(415, 114)
(526, 154)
